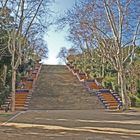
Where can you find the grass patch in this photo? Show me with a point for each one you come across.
(6, 115)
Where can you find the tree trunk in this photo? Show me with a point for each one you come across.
(13, 89)
(128, 102)
(118, 78)
(123, 91)
(5, 74)
(103, 68)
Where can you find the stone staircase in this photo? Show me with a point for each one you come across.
(23, 94)
(58, 89)
(110, 100)
(22, 99)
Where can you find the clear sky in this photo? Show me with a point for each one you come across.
(56, 40)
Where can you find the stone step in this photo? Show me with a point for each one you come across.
(112, 107)
(57, 88)
(108, 99)
(21, 108)
(20, 104)
(112, 104)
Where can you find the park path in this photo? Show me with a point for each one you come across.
(61, 109)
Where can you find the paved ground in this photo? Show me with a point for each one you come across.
(55, 114)
(72, 125)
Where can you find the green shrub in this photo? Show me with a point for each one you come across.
(109, 82)
(4, 93)
(138, 89)
(135, 101)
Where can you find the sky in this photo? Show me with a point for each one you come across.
(56, 40)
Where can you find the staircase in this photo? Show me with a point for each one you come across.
(58, 89)
(110, 100)
(92, 85)
(22, 99)
(23, 94)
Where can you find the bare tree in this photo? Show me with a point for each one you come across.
(63, 54)
(26, 13)
(109, 27)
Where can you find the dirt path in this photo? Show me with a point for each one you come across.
(61, 109)
(72, 125)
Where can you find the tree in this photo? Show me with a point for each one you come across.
(63, 54)
(108, 27)
(27, 14)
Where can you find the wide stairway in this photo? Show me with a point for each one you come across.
(58, 89)
(110, 99)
